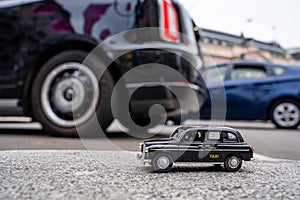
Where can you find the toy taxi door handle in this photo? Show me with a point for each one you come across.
(205, 146)
(208, 146)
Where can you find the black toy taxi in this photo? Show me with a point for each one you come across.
(218, 146)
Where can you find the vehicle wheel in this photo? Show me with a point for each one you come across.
(162, 162)
(66, 92)
(286, 114)
(233, 163)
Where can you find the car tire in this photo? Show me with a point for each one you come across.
(61, 94)
(162, 162)
(285, 114)
(233, 163)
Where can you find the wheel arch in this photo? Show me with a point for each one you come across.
(157, 152)
(234, 154)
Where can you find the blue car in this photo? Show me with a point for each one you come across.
(244, 90)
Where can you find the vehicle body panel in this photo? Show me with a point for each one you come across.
(40, 29)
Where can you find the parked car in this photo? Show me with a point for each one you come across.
(255, 91)
(219, 145)
(43, 45)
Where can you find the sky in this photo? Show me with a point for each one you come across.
(265, 20)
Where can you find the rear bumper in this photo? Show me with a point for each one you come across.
(249, 159)
(176, 98)
(161, 73)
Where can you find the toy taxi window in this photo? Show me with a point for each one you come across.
(229, 137)
(189, 136)
(213, 136)
(199, 136)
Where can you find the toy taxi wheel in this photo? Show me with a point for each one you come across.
(233, 163)
(162, 162)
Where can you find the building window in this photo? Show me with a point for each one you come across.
(206, 40)
(224, 43)
(215, 41)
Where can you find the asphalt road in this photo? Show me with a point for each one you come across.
(119, 175)
(74, 173)
(29, 136)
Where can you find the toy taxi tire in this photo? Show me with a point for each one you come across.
(162, 162)
(233, 163)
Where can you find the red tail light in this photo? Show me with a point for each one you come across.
(252, 148)
(169, 21)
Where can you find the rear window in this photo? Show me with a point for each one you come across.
(229, 137)
(278, 70)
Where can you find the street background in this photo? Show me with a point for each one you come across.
(267, 141)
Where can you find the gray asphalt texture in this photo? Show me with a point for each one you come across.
(119, 175)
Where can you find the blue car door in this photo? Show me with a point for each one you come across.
(247, 87)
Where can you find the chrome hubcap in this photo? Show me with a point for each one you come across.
(233, 162)
(286, 114)
(70, 94)
(163, 162)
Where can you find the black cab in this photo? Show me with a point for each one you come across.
(221, 145)
(46, 73)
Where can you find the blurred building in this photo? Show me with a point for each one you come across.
(295, 53)
(221, 47)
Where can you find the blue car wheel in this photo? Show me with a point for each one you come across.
(286, 114)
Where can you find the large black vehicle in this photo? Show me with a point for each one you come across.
(44, 44)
